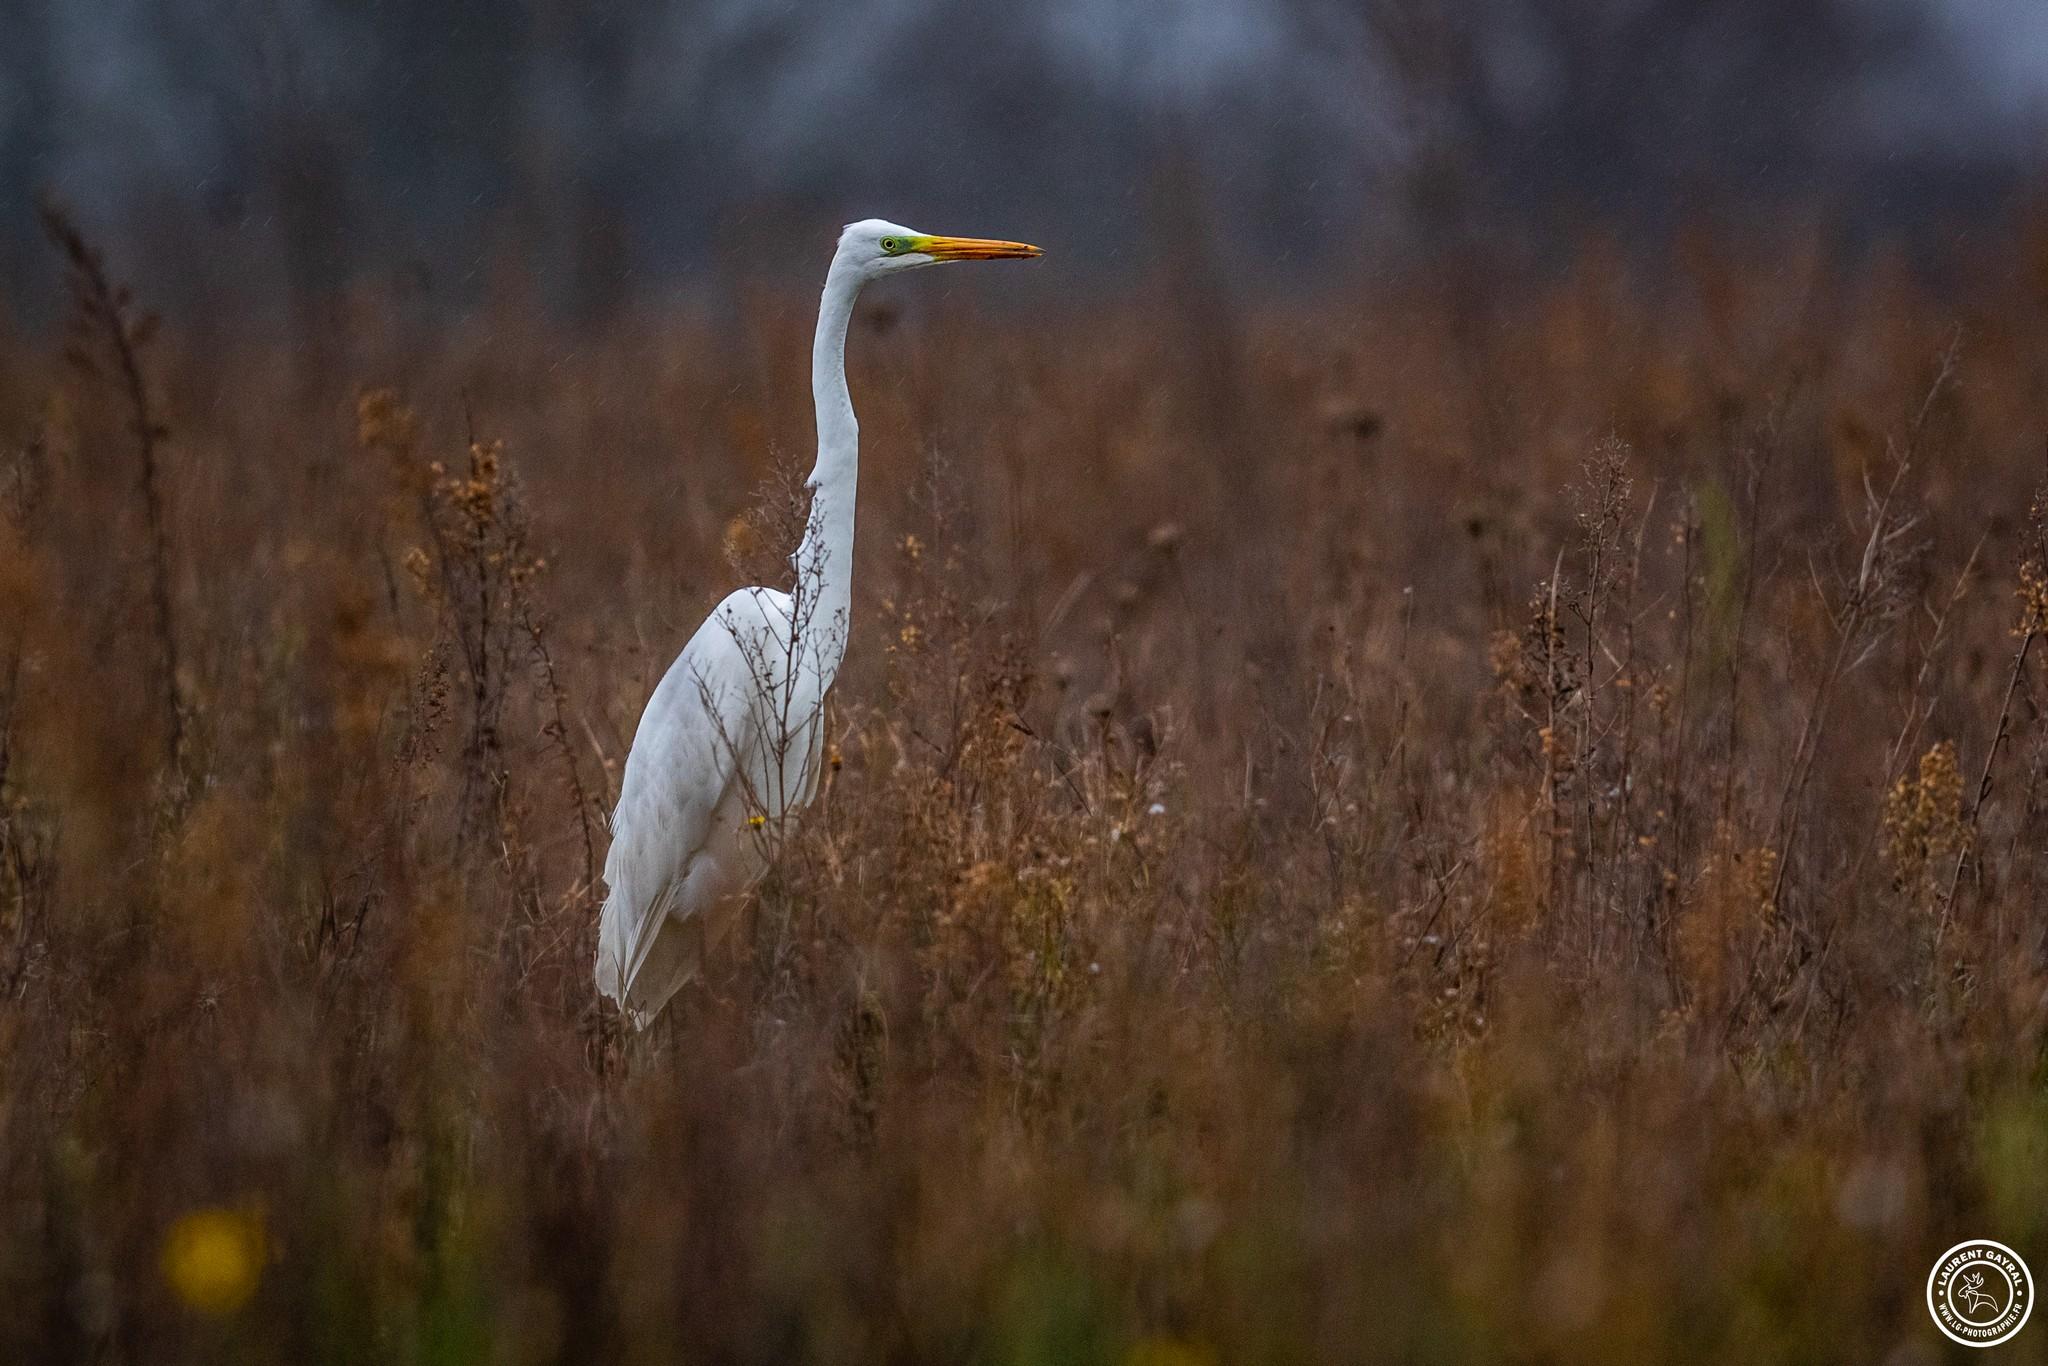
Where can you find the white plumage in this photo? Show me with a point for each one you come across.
(728, 748)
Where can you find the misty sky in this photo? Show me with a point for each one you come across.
(627, 132)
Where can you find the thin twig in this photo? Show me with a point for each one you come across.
(107, 308)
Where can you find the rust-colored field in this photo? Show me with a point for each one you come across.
(1489, 816)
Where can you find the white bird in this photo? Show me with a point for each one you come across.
(728, 747)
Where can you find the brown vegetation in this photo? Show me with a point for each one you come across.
(1366, 829)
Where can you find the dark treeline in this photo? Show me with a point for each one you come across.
(277, 150)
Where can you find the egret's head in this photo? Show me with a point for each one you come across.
(877, 247)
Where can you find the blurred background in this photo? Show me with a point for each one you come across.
(267, 150)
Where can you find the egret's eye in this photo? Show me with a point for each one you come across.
(893, 245)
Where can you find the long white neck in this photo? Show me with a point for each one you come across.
(824, 561)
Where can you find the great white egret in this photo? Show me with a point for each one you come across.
(728, 747)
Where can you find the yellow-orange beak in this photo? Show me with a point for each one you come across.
(974, 249)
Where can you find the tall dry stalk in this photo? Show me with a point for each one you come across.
(105, 311)
(2033, 595)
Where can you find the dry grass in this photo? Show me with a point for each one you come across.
(1362, 829)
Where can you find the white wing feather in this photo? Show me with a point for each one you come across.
(722, 739)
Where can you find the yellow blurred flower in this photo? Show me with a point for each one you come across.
(213, 1259)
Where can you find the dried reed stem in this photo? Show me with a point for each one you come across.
(107, 309)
